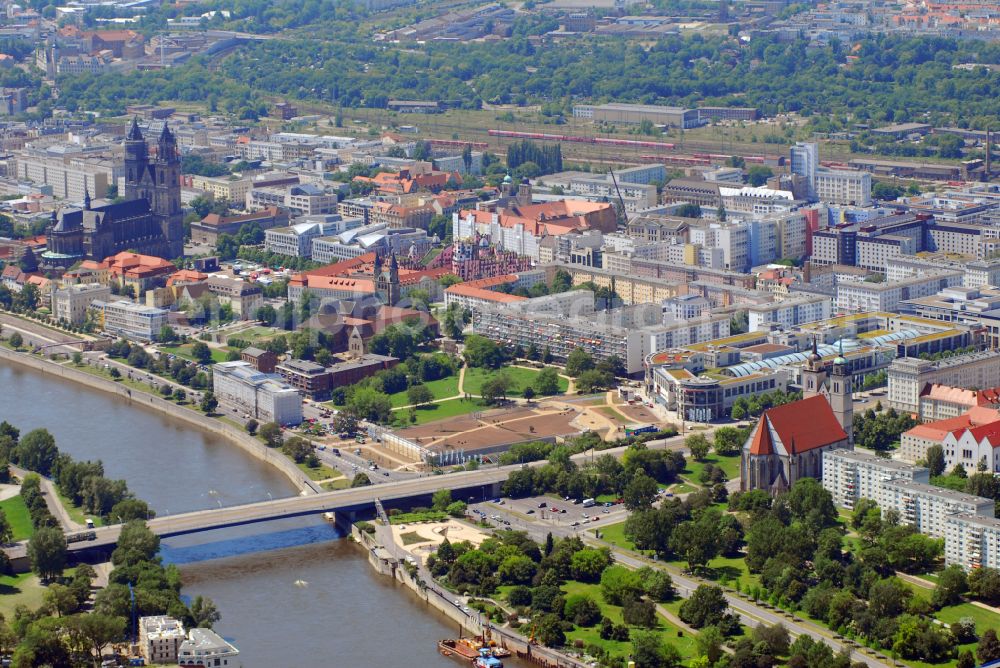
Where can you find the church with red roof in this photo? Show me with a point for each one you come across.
(788, 441)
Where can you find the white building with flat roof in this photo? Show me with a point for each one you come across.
(850, 475)
(926, 506)
(160, 639)
(70, 303)
(128, 319)
(972, 541)
(263, 396)
(204, 648)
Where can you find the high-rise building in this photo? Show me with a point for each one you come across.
(805, 162)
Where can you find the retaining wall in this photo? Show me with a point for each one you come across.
(235, 435)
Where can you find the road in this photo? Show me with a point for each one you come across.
(56, 507)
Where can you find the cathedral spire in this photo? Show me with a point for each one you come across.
(134, 134)
(86, 198)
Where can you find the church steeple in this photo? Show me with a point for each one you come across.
(86, 198)
(842, 393)
(134, 134)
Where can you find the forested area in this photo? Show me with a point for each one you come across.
(888, 79)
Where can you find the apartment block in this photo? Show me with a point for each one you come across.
(972, 541)
(842, 186)
(264, 397)
(850, 475)
(160, 639)
(856, 297)
(926, 506)
(790, 312)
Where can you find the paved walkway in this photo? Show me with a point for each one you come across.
(56, 507)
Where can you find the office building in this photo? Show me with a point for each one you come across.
(264, 397)
(908, 376)
(843, 186)
(70, 303)
(794, 310)
(805, 163)
(309, 378)
(128, 319)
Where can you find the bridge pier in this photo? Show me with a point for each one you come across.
(344, 520)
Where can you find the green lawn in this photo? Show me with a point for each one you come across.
(218, 354)
(321, 472)
(257, 334)
(476, 377)
(445, 409)
(22, 589)
(615, 534)
(730, 465)
(76, 512)
(683, 641)
(18, 517)
(441, 389)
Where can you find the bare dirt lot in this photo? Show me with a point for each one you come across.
(489, 429)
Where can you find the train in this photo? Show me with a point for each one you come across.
(583, 140)
(692, 159)
(458, 143)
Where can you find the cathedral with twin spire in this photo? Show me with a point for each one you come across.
(149, 220)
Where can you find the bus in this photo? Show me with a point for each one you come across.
(633, 429)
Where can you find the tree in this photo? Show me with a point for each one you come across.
(549, 631)
(582, 610)
(419, 395)
(775, 638)
(757, 175)
(952, 583)
(639, 612)
(698, 445)
(252, 426)
(298, 449)
(77, 358)
(15, 340)
(167, 334)
(482, 352)
(988, 648)
(593, 380)
(127, 510)
(517, 570)
(528, 393)
(710, 643)
(101, 630)
(729, 441)
(640, 492)
(965, 660)
(136, 544)
(935, 460)
(984, 584)
(370, 404)
(696, 541)
(688, 210)
(29, 263)
(578, 361)
(201, 352)
(705, 607)
(546, 383)
(203, 613)
(37, 451)
(649, 651)
(208, 402)
(47, 552)
(6, 532)
(361, 480)
(496, 388)
(587, 564)
(619, 584)
(271, 435)
(60, 599)
(441, 499)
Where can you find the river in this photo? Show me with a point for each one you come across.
(312, 601)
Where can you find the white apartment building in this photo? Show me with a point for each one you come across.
(128, 319)
(790, 312)
(926, 506)
(160, 639)
(71, 173)
(972, 541)
(850, 475)
(70, 303)
(303, 199)
(223, 188)
(909, 376)
(856, 297)
(265, 397)
(206, 648)
(843, 186)
(732, 238)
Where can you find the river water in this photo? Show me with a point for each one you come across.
(311, 601)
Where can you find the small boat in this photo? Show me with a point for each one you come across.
(486, 659)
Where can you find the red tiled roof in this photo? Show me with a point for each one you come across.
(990, 432)
(936, 431)
(805, 424)
(762, 443)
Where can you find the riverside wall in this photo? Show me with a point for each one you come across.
(238, 437)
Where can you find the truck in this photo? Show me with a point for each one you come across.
(589, 503)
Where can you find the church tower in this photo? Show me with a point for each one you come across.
(387, 281)
(166, 202)
(841, 395)
(136, 164)
(813, 374)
